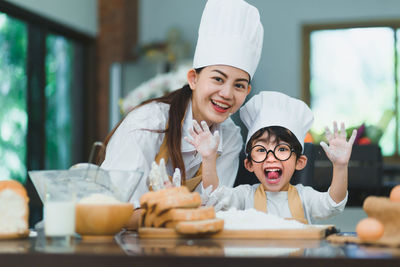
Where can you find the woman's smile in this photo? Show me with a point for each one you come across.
(220, 106)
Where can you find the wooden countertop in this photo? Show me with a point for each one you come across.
(126, 249)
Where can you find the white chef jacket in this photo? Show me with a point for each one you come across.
(317, 205)
(133, 148)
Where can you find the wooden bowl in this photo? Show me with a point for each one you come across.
(102, 219)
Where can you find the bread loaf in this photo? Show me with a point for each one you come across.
(142, 217)
(200, 227)
(14, 210)
(156, 209)
(179, 209)
(202, 213)
(180, 200)
(151, 198)
(171, 224)
(149, 218)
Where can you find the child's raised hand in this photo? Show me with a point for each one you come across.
(203, 140)
(339, 149)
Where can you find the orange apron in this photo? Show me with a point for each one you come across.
(295, 204)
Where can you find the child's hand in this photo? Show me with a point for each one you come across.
(339, 150)
(203, 140)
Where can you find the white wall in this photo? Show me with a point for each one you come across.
(81, 15)
(280, 65)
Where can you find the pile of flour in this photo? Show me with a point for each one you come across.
(252, 219)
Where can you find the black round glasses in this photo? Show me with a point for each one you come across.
(281, 152)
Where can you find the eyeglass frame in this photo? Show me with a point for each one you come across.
(292, 150)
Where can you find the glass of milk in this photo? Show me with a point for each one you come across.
(59, 209)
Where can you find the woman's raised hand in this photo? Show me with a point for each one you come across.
(203, 140)
(339, 149)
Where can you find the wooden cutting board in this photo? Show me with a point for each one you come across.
(317, 232)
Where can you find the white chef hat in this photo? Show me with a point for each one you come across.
(270, 108)
(230, 33)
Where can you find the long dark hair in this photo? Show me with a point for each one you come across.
(178, 101)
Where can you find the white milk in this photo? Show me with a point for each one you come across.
(59, 218)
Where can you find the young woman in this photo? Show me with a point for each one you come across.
(226, 57)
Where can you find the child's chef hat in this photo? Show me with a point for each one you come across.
(230, 33)
(270, 108)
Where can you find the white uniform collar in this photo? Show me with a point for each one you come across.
(188, 122)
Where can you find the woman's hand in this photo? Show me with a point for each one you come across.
(339, 149)
(203, 140)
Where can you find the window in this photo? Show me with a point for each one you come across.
(59, 75)
(45, 94)
(13, 109)
(351, 75)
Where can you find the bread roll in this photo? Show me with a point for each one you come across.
(14, 208)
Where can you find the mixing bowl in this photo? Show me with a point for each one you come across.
(102, 218)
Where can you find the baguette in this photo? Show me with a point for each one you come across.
(202, 213)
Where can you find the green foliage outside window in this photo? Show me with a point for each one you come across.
(59, 62)
(353, 81)
(13, 109)
(13, 100)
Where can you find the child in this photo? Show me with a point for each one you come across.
(277, 127)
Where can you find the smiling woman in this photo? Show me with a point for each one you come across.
(226, 57)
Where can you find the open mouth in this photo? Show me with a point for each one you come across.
(220, 107)
(273, 175)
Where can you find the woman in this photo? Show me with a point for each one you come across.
(227, 54)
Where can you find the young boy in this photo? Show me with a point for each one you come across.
(277, 127)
